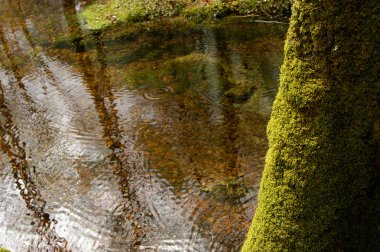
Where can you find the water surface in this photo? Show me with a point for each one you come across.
(141, 138)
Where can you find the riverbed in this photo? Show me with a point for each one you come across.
(144, 137)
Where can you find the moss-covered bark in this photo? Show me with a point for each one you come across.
(320, 187)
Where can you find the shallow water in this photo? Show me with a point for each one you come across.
(145, 138)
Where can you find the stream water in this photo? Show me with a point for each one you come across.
(141, 138)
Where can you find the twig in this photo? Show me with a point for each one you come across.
(266, 13)
(270, 21)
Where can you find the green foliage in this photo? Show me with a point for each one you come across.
(99, 16)
(164, 8)
(4, 250)
(220, 8)
(275, 8)
(207, 10)
(320, 186)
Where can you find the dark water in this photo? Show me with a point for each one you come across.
(146, 138)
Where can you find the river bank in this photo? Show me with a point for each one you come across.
(100, 15)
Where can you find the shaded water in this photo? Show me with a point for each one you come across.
(146, 138)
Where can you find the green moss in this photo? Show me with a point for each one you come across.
(100, 16)
(275, 8)
(205, 10)
(320, 185)
(4, 250)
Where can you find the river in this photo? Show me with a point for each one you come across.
(147, 137)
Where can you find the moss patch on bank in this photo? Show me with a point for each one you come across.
(4, 250)
(100, 16)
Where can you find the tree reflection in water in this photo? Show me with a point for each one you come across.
(172, 115)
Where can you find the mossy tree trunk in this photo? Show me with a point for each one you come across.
(320, 187)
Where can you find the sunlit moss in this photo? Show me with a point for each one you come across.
(100, 16)
(320, 187)
(4, 250)
(205, 10)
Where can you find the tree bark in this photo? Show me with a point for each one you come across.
(320, 186)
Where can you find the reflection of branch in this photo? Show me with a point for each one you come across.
(270, 22)
(9, 144)
(262, 21)
(73, 25)
(13, 67)
(266, 13)
(101, 91)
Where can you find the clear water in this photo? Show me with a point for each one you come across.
(141, 138)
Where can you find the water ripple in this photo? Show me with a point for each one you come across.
(99, 153)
